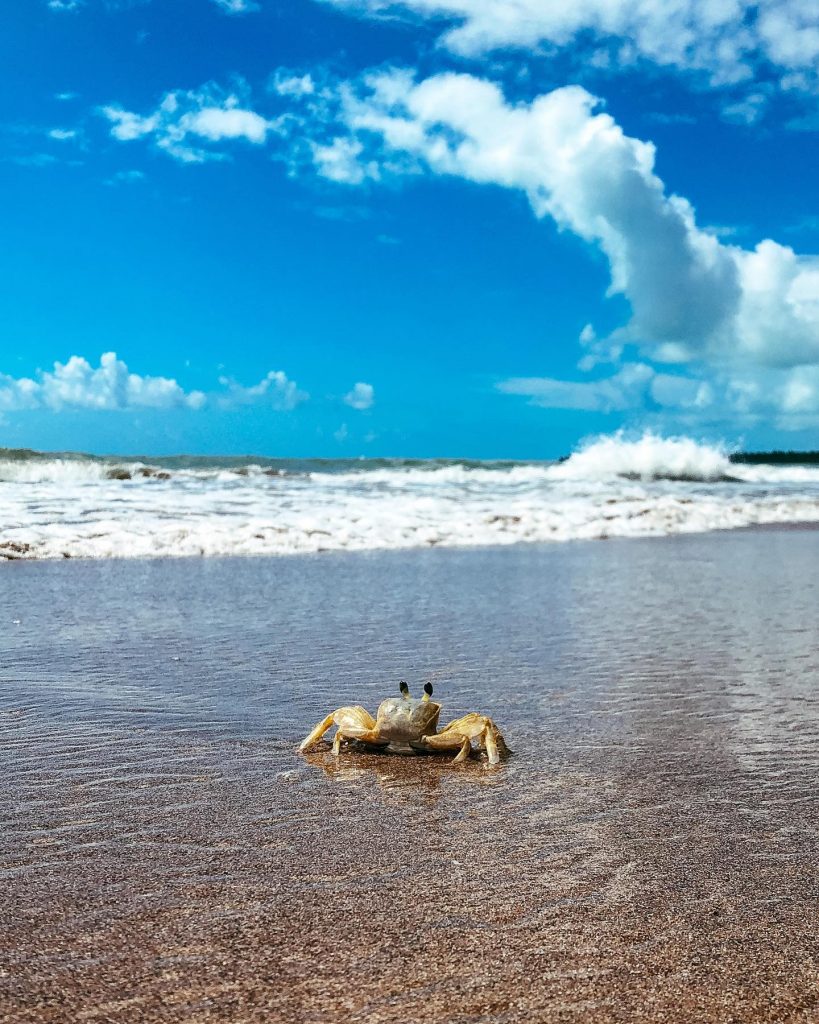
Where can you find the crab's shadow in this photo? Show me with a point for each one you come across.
(399, 777)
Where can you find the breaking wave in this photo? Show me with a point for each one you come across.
(74, 505)
(650, 458)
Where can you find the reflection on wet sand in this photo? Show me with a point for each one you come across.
(405, 778)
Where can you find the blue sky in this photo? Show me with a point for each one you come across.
(436, 228)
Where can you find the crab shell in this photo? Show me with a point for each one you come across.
(401, 720)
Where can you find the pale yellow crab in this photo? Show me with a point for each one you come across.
(404, 724)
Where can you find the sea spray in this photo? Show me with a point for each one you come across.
(649, 457)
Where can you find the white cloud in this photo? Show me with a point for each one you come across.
(789, 32)
(627, 389)
(284, 84)
(237, 6)
(693, 297)
(339, 161)
(76, 384)
(727, 40)
(62, 134)
(184, 120)
(126, 178)
(18, 393)
(362, 396)
(275, 390)
(129, 126)
(79, 385)
(34, 160)
(786, 399)
(748, 110)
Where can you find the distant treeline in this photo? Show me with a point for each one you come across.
(777, 458)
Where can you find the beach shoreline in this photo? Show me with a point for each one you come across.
(647, 854)
(10, 557)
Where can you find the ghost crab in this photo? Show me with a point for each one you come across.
(405, 724)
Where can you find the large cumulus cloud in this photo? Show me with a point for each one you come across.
(692, 296)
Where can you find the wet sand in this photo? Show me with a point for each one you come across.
(648, 854)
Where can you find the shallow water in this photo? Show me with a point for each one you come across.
(649, 853)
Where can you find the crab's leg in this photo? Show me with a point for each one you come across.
(482, 729)
(352, 722)
(449, 741)
(491, 745)
(317, 733)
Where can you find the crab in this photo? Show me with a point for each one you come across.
(405, 725)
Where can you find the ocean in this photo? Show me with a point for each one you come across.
(81, 506)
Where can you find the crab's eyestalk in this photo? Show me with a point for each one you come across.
(402, 686)
(427, 691)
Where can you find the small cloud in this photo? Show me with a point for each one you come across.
(62, 134)
(361, 397)
(806, 123)
(34, 160)
(658, 117)
(349, 214)
(339, 161)
(127, 125)
(725, 230)
(64, 97)
(237, 6)
(341, 434)
(626, 389)
(275, 389)
(125, 178)
(65, 5)
(186, 120)
(807, 224)
(284, 84)
(746, 111)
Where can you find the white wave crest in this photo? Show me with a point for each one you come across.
(38, 471)
(651, 457)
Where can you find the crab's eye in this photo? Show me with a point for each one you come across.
(428, 689)
(402, 686)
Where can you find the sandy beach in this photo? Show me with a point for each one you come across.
(648, 854)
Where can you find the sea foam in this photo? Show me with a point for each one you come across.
(89, 507)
